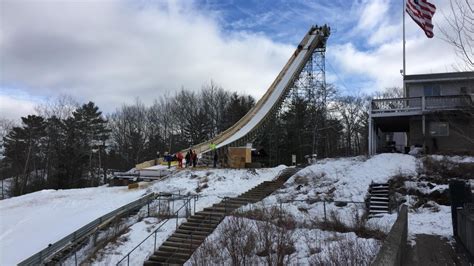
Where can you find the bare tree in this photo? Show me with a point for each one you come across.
(5, 126)
(62, 107)
(459, 30)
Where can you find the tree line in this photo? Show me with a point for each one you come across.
(68, 145)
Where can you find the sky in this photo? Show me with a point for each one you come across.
(113, 52)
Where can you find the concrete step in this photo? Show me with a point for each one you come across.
(242, 200)
(378, 194)
(185, 239)
(161, 255)
(156, 263)
(209, 217)
(194, 236)
(210, 213)
(228, 205)
(200, 219)
(378, 211)
(224, 209)
(378, 184)
(196, 228)
(181, 243)
(378, 208)
(203, 224)
(379, 188)
(193, 232)
(168, 260)
(378, 203)
(174, 247)
(379, 198)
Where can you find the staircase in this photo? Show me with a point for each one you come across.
(179, 247)
(378, 199)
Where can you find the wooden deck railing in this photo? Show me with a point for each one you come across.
(421, 104)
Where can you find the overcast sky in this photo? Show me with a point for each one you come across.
(111, 52)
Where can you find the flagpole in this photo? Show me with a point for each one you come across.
(404, 61)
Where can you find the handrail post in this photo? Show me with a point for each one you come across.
(324, 204)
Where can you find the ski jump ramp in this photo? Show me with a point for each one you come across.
(271, 100)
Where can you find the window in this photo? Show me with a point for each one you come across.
(431, 90)
(439, 129)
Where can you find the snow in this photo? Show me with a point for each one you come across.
(431, 222)
(310, 244)
(424, 186)
(453, 159)
(114, 252)
(221, 182)
(46, 216)
(352, 176)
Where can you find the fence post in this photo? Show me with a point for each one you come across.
(159, 206)
(324, 203)
(154, 245)
(148, 207)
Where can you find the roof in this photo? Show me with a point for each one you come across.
(450, 76)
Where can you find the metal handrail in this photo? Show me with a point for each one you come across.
(199, 225)
(40, 256)
(176, 213)
(421, 103)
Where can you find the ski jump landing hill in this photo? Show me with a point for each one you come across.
(245, 129)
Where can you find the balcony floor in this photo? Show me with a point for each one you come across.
(393, 123)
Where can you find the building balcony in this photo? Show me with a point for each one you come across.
(419, 105)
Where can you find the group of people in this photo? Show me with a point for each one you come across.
(190, 158)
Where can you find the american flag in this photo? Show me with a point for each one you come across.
(421, 12)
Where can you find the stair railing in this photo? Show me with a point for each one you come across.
(186, 204)
(190, 237)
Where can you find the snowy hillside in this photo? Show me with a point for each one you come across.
(46, 216)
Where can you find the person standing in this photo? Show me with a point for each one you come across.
(194, 158)
(215, 159)
(179, 156)
(168, 159)
(190, 162)
(188, 159)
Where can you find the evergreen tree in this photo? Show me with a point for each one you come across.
(23, 150)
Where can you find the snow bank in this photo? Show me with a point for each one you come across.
(29, 223)
(311, 244)
(352, 176)
(453, 159)
(427, 221)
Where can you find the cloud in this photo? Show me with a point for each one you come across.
(13, 108)
(373, 13)
(111, 52)
(376, 63)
